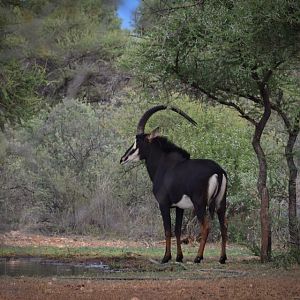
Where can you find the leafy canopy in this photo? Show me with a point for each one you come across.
(221, 47)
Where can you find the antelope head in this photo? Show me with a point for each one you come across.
(140, 148)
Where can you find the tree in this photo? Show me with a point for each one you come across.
(54, 49)
(233, 52)
(19, 81)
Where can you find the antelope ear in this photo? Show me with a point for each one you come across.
(155, 133)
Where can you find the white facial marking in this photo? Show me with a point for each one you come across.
(135, 155)
(212, 187)
(184, 203)
(221, 193)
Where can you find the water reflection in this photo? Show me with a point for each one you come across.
(43, 268)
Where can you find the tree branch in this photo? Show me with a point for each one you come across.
(227, 103)
(171, 9)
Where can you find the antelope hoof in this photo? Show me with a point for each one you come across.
(223, 259)
(166, 259)
(198, 259)
(179, 258)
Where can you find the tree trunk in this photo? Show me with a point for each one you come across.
(265, 252)
(293, 222)
(293, 129)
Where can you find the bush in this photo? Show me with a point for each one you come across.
(62, 174)
(62, 171)
(287, 259)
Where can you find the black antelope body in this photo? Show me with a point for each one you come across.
(180, 182)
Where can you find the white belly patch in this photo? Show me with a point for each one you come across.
(184, 203)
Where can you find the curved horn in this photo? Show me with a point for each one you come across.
(151, 111)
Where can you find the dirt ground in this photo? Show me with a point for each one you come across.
(21, 239)
(277, 284)
(246, 288)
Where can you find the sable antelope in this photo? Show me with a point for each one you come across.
(180, 182)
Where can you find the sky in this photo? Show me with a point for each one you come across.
(125, 10)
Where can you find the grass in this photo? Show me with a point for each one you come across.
(95, 252)
(142, 262)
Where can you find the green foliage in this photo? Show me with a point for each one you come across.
(18, 91)
(218, 46)
(72, 137)
(50, 50)
(62, 174)
(222, 50)
(226, 52)
(77, 27)
(220, 135)
(3, 147)
(63, 166)
(60, 169)
(287, 259)
(49, 28)
(57, 160)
